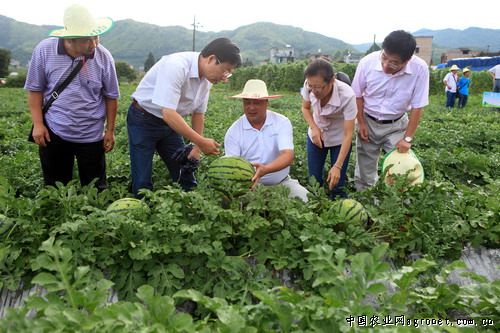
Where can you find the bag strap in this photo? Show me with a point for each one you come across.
(61, 86)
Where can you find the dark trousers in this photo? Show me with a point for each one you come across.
(148, 134)
(462, 100)
(58, 158)
(316, 158)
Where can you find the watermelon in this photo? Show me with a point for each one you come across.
(231, 175)
(398, 163)
(128, 205)
(350, 211)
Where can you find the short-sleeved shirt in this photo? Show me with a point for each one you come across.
(389, 96)
(495, 70)
(451, 80)
(261, 146)
(330, 118)
(78, 115)
(174, 82)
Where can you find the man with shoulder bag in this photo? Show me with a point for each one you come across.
(72, 96)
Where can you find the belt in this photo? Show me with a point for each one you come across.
(137, 105)
(384, 121)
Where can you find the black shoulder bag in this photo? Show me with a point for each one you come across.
(55, 94)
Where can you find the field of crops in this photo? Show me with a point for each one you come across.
(262, 262)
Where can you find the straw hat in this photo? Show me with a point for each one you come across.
(400, 163)
(454, 68)
(255, 89)
(466, 70)
(78, 22)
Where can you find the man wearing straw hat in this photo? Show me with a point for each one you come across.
(450, 82)
(80, 121)
(264, 138)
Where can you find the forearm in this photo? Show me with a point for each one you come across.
(35, 100)
(346, 143)
(360, 104)
(111, 111)
(198, 122)
(284, 159)
(179, 125)
(413, 122)
(308, 117)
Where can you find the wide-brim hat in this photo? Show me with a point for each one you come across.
(398, 163)
(454, 68)
(79, 22)
(255, 89)
(466, 70)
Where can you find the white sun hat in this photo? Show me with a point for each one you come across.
(400, 163)
(79, 22)
(255, 89)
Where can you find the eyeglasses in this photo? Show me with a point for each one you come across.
(316, 88)
(226, 73)
(392, 64)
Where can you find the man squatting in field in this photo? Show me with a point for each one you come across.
(388, 84)
(74, 123)
(265, 139)
(178, 85)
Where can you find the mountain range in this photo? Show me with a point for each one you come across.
(131, 41)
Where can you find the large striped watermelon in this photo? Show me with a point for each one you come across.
(128, 205)
(350, 211)
(231, 175)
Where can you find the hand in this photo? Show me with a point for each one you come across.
(109, 141)
(195, 153)
(333, 177)
(41, 135)
(209, 146)
(403, 146)
(316, 137)
(363, 132)
(260, 171)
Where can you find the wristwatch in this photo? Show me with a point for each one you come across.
(408, 139)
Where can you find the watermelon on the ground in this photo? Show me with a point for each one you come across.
(128, 205)
(351, 211)
(231, 175)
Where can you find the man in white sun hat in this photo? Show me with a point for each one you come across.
(264, 138)
(77, 121)
(450, 82)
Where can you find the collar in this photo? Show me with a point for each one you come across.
(193, 70)
(248, 126)
(62, 51)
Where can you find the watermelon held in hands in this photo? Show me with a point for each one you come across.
(231, 175)
(128, 205)
(397, 163)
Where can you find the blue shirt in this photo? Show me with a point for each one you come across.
(463, 85)
(79, 113)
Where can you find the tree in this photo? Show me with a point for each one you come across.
(150, 61)
(4, 62)
(125, 71)
(373, 48)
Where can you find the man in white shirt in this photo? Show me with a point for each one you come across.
(388, 84)
(178, 85)
(495, 74)
(450, 82)
(265, 139)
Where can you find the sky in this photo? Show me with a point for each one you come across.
(352, 21)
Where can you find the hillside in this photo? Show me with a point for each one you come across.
(131, 41)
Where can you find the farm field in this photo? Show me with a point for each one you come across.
(261, 262)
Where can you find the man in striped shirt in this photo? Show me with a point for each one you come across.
(73, 126)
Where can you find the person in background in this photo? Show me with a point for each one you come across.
(329, 108)
(450, 81)
(265, 139)
(463, 88)
(388, 84)
(495, 74)
(177, 86)
(80, 123)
